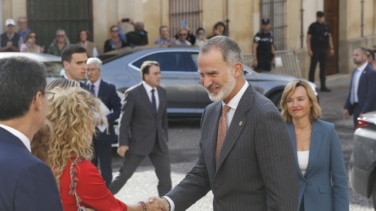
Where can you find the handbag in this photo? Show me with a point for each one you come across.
(73, 185)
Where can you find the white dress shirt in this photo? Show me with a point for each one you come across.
(303, 158)
(355, 83)
(148, 89)
(25, 140)
(96, 86)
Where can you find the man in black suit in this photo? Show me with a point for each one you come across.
(361, 97)
(26, 182)
(103, 139)
(74, 63)
(143, 129)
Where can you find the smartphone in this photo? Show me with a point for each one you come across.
(183, 23)
(125, 20)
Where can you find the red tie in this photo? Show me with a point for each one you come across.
(222, 128)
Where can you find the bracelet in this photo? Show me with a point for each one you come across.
(144, 206)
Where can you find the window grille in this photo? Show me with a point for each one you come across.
(185, 11)
(275, 10)
(46, 16)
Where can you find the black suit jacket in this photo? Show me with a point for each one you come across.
(26, 183)
(108, 95)
(139, 127)
(366, 92)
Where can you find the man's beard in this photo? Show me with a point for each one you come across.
(224, 91)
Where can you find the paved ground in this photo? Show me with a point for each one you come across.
(183, 145)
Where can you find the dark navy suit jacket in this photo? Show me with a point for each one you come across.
(366, 92)
(26, 183)
(108, 95)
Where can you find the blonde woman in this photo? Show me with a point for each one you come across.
(317, 150)
(73, 114)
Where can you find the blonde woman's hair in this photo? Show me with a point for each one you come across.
(73, 114)
(40, 145)
(315, 112)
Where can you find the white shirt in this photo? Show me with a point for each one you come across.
(148, 89)
(355, 83)
(25, 140)
(303, 158)
(233, 104)
(96, 86)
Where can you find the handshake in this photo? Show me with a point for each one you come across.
(153, 204)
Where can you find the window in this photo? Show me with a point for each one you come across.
(168, 61)
(275, 11)
(183, 12)
(46, 16)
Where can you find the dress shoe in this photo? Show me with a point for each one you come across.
(325, 89)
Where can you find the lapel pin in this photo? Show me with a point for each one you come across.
(240, 123)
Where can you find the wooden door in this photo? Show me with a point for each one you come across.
(331, 11)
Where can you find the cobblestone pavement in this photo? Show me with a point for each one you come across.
(183, 146)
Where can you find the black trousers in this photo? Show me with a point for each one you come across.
(103, 157)
(263, 65)
(321, 56)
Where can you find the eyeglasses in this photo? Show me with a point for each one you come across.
(60, 35)
(50, 95)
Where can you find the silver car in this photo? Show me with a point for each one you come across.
(362, 166)
(186, 97)
(52, 63)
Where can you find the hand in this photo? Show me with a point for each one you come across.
(9, 44)
(310, 53)
(41, 49)
(346, 114)
(153, 205)
(331, 52)
(163, 204)
(122, 150)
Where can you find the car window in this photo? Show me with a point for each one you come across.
(192, 61)
(53, 69)
(168, 61)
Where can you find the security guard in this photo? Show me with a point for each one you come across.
(263, 48)
(318, 41)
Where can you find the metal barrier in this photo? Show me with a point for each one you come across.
(286, 63)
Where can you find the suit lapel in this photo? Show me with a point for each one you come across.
(145, 96)
(291, 129)
(212, 137)
(315, 146)
(161, 98)
(237, 124)
(100, 89)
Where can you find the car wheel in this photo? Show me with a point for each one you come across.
(276, 98)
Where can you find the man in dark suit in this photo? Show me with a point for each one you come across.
(143, 129)
(245, 155)
(103, 139)
(361, 97)
(74, 63)
(26, 182)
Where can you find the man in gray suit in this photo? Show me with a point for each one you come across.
(252, 168)
(143, 129)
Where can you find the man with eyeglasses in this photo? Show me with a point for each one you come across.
(60, 43)
(10, 39)
(26, 182)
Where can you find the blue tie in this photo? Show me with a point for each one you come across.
(153, 101)
(91, 89)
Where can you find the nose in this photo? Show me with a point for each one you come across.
(206, 81)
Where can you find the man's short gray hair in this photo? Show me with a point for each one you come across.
(96, 61)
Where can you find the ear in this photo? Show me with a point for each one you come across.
(238, 68)
(66, 64)
(38, 101)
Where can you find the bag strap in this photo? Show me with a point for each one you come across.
(73, 184)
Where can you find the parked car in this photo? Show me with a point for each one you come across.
(52, 63)
(186, 97)
(362, 166)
